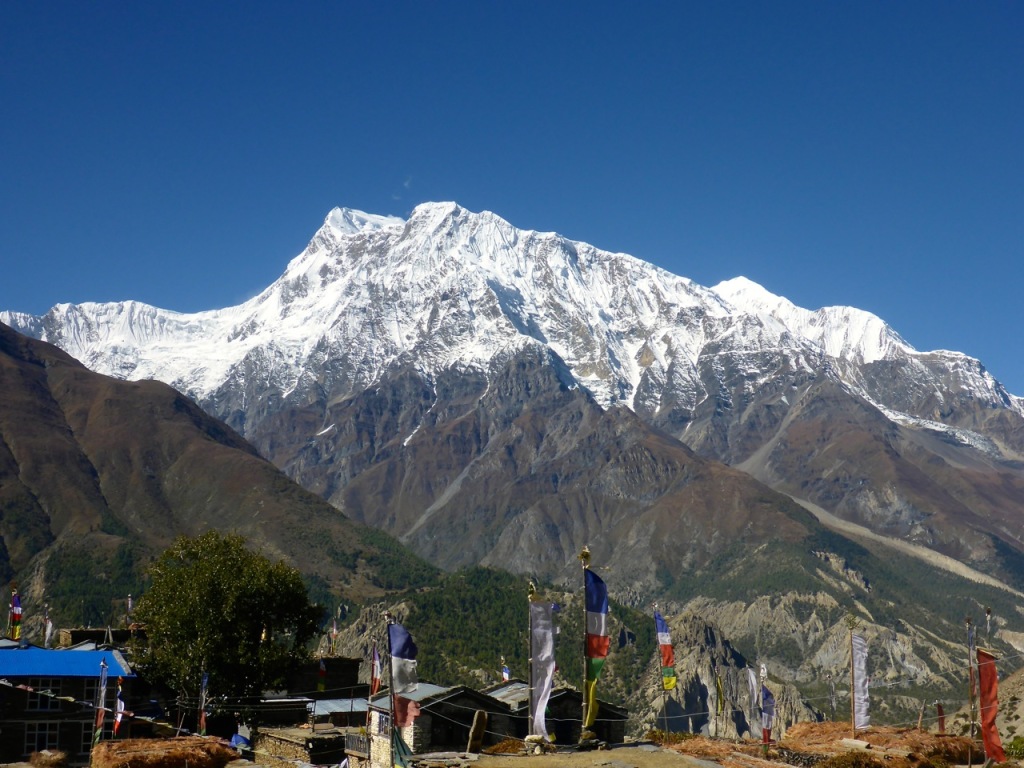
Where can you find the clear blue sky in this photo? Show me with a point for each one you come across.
(861, 153)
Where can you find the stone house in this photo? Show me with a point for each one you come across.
(564, 713)
(447, 717)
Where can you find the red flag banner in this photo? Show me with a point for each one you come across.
(988, 680)
(406, 711)
(942, 719)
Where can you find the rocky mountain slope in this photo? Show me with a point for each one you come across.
(428, 376)
(97, 475)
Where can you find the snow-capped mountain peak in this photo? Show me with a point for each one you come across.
(449, 287)
(841, 332)
(350, 221)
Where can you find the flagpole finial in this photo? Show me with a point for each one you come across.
(585, 556)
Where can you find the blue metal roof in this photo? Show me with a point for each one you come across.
(49, 662)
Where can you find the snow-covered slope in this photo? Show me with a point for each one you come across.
(451, 288)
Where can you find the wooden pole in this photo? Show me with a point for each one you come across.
(664, 693)
(853, 689)
(531, 595)
(851, 623)
(970, 692)
(664, 707)
(389, 620)
(585, 559)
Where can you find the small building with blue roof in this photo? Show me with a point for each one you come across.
(48, 699)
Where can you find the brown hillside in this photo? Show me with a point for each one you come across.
(99, 467)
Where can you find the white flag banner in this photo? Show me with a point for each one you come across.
(861, 718)
(542, 663)
(752, 689)
(404, 678)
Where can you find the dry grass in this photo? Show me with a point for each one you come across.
(506, 747)
(925, 746)
(48, 758)
(194, 751)
(807, 745)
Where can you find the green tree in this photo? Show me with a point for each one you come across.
(215, 606)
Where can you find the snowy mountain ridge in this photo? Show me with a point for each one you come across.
(450, 288)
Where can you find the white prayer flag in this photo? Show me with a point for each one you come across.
(861, 718)
(542, 663)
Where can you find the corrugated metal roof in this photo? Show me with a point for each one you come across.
(512, 694)
(423, 691)
(49, 662)
(332, 706)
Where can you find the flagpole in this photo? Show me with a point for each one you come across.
(851, 622)
(585, 559)
(531, 595)
(389, 619)
(970, 688)
(664, 693)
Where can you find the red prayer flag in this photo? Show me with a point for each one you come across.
(406, 711)
(988, 680)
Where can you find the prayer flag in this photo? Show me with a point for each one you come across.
(767, 713)
(401, 751)
(719, 695)
(942, 718)
(598, 640)
(972, 670)
(861, 718)
(542, 663)
(100, 704)
(988, 680)
(321, 682)
(505, 673)
(668, 654)
(406, 710)
(403, 659)
(374, 672)
(119, 707)
(15, 615)
(203, 687)
(752, 697)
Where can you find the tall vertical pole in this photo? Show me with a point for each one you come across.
(970, 685)
(664, 693)
(851, 624)
(765, 734)
(389, 620)
(531, 595)
(853, 689)
(585, 560)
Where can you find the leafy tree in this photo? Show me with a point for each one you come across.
(215, 606)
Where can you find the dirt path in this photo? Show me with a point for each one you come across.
(644, 756)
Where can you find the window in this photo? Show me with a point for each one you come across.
(38, 701)
(40, 736)
(89, 730)
(91, 690)
(383, 723)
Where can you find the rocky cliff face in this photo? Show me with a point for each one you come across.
(372, 370)
(97, 475)
(497, 395)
